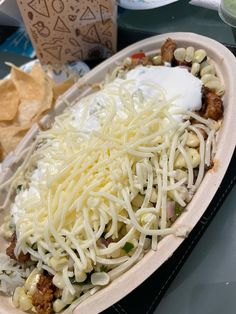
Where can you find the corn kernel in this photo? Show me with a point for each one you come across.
(19, 291)
(192, 140)
(216, 86)
(204, 64)
(199, 55)
(180, 162)
(58, 281)
(58, 263)
(147, 244)
(89, 267)
(209, 77)
(25, 302)
(180, 54)
(124, 213)
(194, 156)
(146, 218)
(180, 174)
(153, 197)
(138, 201)
(67, 297)
(127, 61)
(58, 305)
(209, 69)
(157, 60)
(32, 280)
(189, 54)
(80, 276)
(100, 279)
(115, 253)
(195, 69)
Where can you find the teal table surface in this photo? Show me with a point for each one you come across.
(178, 17)
(12, 58)
(206, 284)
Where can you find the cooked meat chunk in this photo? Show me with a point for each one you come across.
(22, 258)
(212, 105)
(106, 242)
(45, 282)
(43, 297)
(11, 247)
(139, 61)
(167, 50)
(146, 61)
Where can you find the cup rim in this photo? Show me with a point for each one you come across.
(223, 15)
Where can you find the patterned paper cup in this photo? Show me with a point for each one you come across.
(227, 12)
(67, 31)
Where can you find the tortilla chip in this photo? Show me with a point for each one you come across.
(38, 74)
(60, 89)
(10, 137)
(9, 100)
(29, 88)
(35, 90)
(48, 100)
(28, 110)
(33, 96)
(9, 123)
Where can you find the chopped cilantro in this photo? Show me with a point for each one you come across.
(128, 247)
(86, 282)
(19, 187)
(178, 209)
(35, 246)
(104, 269)
(73, 281)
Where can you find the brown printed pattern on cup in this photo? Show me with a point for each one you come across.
(58, 6)
(67, 30)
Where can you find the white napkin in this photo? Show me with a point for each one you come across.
(209, 4)
(9, 13)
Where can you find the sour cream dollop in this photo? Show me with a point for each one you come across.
(176, 82)
(179, 87)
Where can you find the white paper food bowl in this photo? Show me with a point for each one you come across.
(225, 64)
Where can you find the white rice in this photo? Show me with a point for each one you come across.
(12, 274)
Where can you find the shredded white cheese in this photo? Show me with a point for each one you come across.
(100, 154)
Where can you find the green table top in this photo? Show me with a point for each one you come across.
(178, 17)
